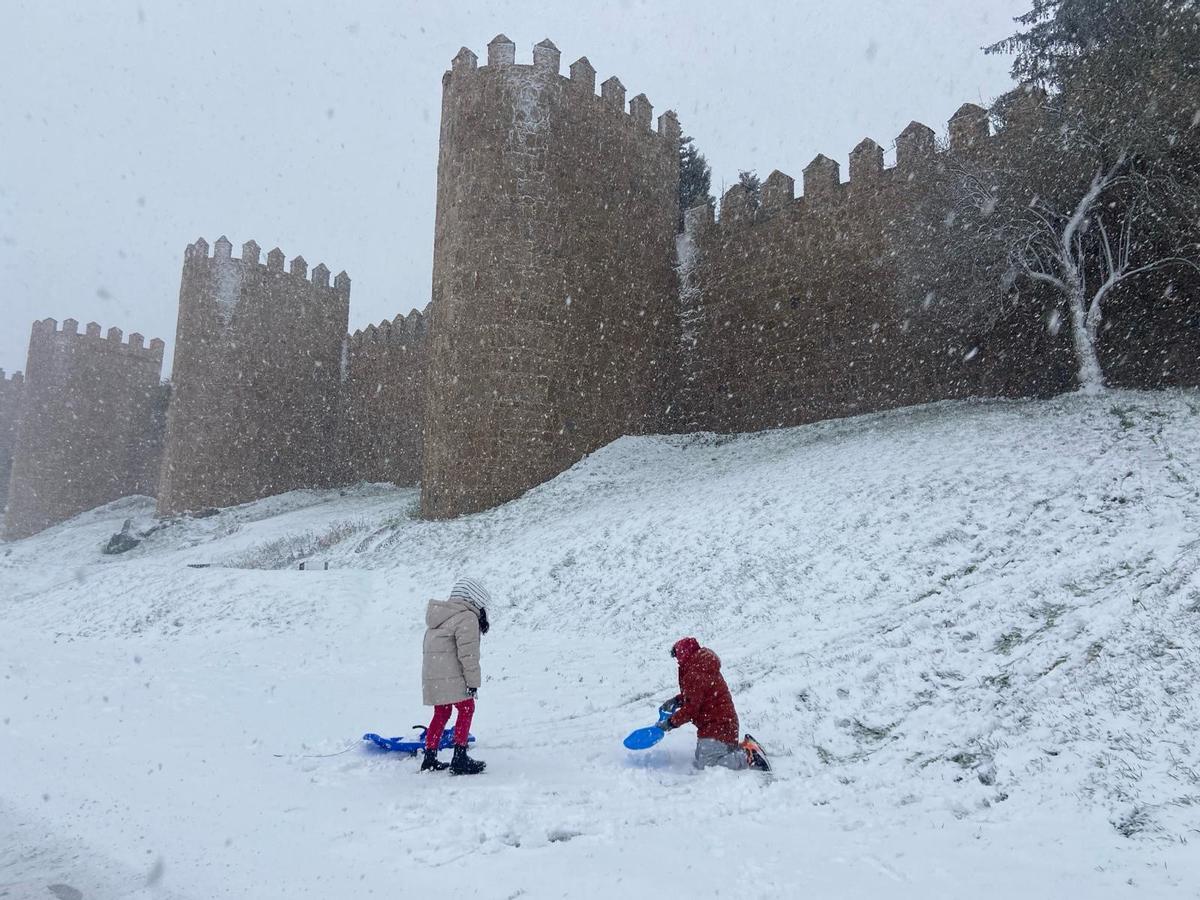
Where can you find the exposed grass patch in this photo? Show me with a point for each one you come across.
(1134, 822)
(1054, 665)
(289, 551)
(871, 733)
(1124, 415)
(1049, 613)
(1007, 641)
(961, 573)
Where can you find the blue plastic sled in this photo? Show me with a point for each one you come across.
(645, 738)
(412, 746)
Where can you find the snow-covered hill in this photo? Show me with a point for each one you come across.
(966, 633)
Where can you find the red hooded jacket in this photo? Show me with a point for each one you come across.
(703, 693)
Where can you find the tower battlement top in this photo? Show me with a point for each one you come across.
(581, 80)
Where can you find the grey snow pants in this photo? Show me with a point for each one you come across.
(711, 752)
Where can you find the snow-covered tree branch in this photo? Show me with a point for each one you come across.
(1083, 244)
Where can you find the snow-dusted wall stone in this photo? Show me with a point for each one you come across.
(257, 378)
(384, 392)
(795, 304)
(12, 389)
(553, 323)
(88, 426)
(565, 313)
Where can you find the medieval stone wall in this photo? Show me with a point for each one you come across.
(257, 379)
(553, 324)
(11, 391)
(385, 400)
(794, 310)
(89, 415)
(566, 313)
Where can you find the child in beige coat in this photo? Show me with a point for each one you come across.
(450, 673)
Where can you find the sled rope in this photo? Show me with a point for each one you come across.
(316, 755)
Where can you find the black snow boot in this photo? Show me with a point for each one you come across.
(462, 764)
(430, 762)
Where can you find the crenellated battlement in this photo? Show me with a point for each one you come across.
(251, 261)
(802, 307)
(15, 380)
(579, 83)
(112, 340)
(916, 151)
(401, 329)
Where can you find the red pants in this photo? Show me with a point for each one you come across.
(462, 725)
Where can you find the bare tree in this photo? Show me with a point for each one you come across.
(1119, 198)
(1083, 243)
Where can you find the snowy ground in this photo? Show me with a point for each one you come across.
(966, 633)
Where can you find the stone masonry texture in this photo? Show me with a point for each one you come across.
(89, 424)
(12, 389)
(385, 398)
(794, 313)
(553, 325)
(257, 379)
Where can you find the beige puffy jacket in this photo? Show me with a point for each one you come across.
(451, 653)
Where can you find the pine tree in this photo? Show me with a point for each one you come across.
(695, 178)
(1061, 36)
(753, 185)
(1126, 73)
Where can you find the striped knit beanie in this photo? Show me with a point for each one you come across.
(472, 591)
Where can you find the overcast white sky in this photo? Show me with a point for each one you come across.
(129, 129)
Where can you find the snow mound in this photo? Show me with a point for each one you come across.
(967, 634)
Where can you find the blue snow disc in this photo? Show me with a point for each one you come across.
(644, 738)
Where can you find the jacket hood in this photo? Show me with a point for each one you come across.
(472, 591)
(439, 611)
(684, 649)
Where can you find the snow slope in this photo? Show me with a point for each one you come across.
(966, 633)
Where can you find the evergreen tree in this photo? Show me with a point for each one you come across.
(695, 178)
(1062, 36)
(1126, 73)
(753, 185)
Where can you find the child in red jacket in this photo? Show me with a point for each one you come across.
(704, 700)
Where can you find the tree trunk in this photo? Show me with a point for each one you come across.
(1083, 337)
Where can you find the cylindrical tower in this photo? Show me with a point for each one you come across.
(256, 403)
(89, 411)
(553, 320)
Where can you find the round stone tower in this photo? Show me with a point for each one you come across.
(553, 316)
(257, 378)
